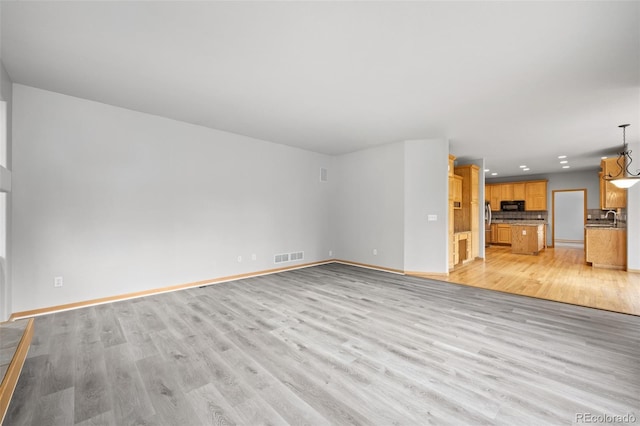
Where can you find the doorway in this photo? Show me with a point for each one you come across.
(569, 210)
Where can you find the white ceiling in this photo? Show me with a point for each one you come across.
(512, 82)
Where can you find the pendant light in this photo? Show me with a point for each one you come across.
(624, 178)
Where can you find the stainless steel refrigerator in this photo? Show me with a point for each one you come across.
(487, 224)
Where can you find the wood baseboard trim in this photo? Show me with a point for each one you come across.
(102, 300)
(634, 271)
(419, 274)
(368, 266)
(12, 374)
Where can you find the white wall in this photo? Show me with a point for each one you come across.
(117, 201)
(369, 206)
(426, 193)
(633, 214)
(382, 201)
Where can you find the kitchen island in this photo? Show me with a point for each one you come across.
(527, 238)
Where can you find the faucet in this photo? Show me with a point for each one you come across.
(615, 217)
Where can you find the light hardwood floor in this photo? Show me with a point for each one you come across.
(331, 344)
(559, 274)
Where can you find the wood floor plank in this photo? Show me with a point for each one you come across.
(211, 407)
(127, 391)
(55, 408)
(91, 387)
(170, 403)
(331, 344)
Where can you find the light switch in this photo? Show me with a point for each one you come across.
(432, 217)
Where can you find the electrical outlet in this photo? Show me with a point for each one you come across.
(254, 256)
(239, 259)
(330, 252)
(375, 252)
(57, 282)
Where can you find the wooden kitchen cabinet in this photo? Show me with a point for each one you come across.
(606, 247)
(496, 197)
(452, 241)
(457, 191)
(535, 195)
(519, 191)
(467, 218)
(464, 213)
(506, 191)
(503, 233)
(462, 247)
(611, 197)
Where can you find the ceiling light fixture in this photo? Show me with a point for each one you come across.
(562, 156)
(564, 162)
(624, 178)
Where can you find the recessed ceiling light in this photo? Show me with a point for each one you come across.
(562, 156)
(564, 162)
(526, 169)
(603, 158)
(566, 167)
(486, 170)
(523, 167)
(494, 174)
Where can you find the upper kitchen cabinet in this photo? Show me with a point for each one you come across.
(506, 189)
(496, 196)
(611, 197)
(535, 195)
(519, 192)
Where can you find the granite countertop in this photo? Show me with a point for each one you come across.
(527, 222)
(608, 227)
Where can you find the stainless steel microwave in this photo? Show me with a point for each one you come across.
(512, 206)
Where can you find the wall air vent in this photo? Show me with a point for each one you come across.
(288, 257)
(297, 255)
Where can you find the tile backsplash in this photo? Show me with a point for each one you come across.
(599, 216)
(541, 216)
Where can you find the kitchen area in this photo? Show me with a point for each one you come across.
(516, 215)
(520, 215)
(526, 245)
